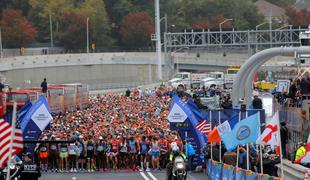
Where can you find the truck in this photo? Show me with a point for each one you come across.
(230, 75)
(214, 78)
(187, 79)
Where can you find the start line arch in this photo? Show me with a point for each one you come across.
(242, 86)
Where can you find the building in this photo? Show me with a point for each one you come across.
(268, 10)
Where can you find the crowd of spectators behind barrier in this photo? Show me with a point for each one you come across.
(299, 90)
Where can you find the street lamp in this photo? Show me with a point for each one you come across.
(158, 40)
(51, 28)
(256, 29)
(87, 36)
(178, 57)
(257, 26)
(284, 27)
(1, 50)
(221, 28)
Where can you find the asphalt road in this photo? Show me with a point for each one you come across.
(161, 175)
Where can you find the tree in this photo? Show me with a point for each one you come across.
(73, 34)
(202, 23)
(94, 9)
(298, 17)
(136, 29)
(17, 31)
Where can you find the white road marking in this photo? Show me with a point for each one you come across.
(144, 176)
(152, 176)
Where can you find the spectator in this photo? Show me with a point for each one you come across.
(230, 158)
(128, 92)
(292, 90)
(189, 153)
(303, 86)
(44, 86)
(257, 103)
(1, 87)
(284, 138)
(301, 151)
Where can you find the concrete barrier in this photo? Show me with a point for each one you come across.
(292, 171)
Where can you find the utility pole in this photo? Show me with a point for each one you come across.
(51, 29)
(87, 36)
(158, 39)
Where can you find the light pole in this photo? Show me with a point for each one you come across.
(1, 50)
(87, 36)
(284, 27)
(158, 39)
(166, 22)
(221, 38)
(256, 29)
(51, 28)
(172, 53)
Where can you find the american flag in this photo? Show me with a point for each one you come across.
(204, 127)
(5, 141)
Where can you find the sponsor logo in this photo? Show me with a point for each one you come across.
(243, 132)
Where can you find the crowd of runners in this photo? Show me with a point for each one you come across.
(117, 131)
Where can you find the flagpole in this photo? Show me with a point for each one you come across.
(260, 146)
(210, 115)
(281, 157)
(238, 145)
(12, 138)
(220, 148)
(247, 149)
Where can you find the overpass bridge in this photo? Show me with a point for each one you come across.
(205, 50)
(223, 47)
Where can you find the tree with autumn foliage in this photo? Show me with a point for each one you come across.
(17, 31)
(73, 31)
(298, 17)
(136, 29)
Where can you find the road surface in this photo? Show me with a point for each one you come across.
(160, 175)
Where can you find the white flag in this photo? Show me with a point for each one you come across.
(271, 133)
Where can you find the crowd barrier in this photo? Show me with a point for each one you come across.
(221, 171)
(297, 122)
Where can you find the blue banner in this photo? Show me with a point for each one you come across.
(36, 119)
(228, 173)
(250, 176)
(209, 167)
(216, 171)
(263, 177)
(239, 175)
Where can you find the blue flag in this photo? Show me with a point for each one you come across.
(228, 125)
(39, 114)
(244, 132)
(23, 111)
(180, 112)
(194, 108)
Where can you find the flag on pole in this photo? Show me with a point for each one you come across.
(204, 127)
(244, 132)
(214, 136)
(228, 125)
(5, 142)
(271, 133)
(306, 157)
(225, 127)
